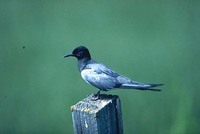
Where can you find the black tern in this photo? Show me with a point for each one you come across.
(102, 77)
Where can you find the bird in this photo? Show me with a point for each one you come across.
(102, 77)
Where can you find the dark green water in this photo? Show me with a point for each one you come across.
(150, 41)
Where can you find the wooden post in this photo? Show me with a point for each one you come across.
(102, 116)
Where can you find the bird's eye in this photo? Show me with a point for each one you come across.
(80, 53)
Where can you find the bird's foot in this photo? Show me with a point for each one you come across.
(95, 96)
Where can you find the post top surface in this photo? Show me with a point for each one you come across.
(92, 106)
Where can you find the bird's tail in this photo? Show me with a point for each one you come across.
(141, 86)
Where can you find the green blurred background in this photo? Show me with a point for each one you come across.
(153, 41)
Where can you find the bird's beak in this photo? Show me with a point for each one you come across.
(68, 55)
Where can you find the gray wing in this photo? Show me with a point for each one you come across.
(116, 80)
(104, 78)
(100, 76)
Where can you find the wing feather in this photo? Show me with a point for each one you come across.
(98, 79)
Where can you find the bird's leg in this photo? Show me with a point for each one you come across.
(98, 93)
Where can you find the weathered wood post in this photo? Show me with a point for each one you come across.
(102, 116)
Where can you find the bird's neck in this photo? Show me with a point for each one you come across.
(82, 63)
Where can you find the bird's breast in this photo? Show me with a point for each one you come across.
(88, 75)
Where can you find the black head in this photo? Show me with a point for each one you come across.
(80, 53)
